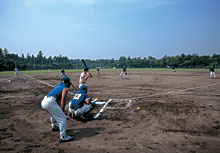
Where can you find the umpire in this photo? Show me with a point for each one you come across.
(49, 103)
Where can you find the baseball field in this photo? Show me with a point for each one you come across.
(150, 111)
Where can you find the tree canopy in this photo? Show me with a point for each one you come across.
(8, 61)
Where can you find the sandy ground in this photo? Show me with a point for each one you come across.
(173, 122)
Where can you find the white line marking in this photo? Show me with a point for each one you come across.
(4, 80)
(105, 106)
(44, 82)
(169, 92)
(131, 100)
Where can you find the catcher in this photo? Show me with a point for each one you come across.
(81, 104)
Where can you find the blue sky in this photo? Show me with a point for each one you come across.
(107, 29)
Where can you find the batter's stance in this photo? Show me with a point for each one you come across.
(84, 76)
(49, 103)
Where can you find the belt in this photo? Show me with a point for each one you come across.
(50, 97)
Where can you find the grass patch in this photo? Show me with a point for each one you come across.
(101, 70)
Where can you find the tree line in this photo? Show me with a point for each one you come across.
(8, 61)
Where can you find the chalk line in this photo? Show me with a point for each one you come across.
(169, 92)
(44, 82)
(131, 100)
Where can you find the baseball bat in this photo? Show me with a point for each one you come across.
(84, 63)
(86, 66)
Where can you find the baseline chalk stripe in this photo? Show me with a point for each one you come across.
(169, 92)
(3, 80)
(44, 82)
(122, 102)
(39, 80)
(131, 100)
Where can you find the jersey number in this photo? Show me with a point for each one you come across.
(77, 96)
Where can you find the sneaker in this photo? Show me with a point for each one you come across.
(66, 138)
(71, 115)
(82, 117)
(55, 128)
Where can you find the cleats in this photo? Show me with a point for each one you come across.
(55, 128)
(66, 138)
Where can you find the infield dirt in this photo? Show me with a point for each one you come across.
(185, 121)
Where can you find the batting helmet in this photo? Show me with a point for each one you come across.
(85, 68)
(62, 71)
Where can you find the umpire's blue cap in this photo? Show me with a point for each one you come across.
(66, 80)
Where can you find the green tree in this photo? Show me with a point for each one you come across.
(1, 54)
(5, 52)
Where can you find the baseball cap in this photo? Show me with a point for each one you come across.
(66, 79)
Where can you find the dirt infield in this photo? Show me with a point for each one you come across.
(174, 120)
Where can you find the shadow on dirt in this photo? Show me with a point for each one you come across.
(81, 133)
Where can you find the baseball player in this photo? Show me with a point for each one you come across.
(124, 72)
(81, 104)
(84, 76)
(62, 74)
(173, 70)
(16, 72)
(98, 71)
(49, 103)
(212, 72)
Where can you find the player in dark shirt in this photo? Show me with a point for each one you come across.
(212, 72)
(124, 72)
(81, 104)
(173, 70)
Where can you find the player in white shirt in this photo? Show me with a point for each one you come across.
(16, 72)
(62, 74)
(84, 76)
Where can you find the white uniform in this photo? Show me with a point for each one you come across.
(82, 81)
(57, 115)
(123, 73)
(16, 72)
(212, 73)
(61, 75)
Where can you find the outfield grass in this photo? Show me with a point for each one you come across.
(94, 70)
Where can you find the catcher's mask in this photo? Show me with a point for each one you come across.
(83, 88)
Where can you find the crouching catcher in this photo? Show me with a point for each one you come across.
(81, 104)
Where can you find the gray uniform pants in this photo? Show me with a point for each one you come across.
(85, 109)
(57, 115)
